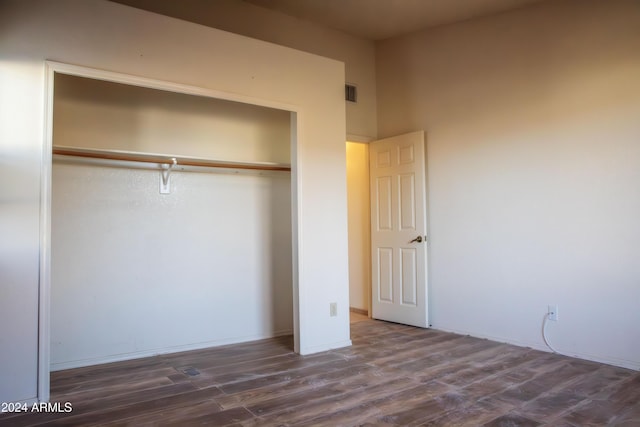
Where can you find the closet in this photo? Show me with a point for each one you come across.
(170, 222)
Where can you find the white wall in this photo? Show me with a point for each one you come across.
(244, 18)
(359, 225)
(109, 36)
(357, 53)
(105, 115)
(135, 272)
(532, 121)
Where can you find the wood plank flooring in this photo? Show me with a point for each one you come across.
(393, 375)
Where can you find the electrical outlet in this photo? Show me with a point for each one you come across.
(552, 312)
(333, 309)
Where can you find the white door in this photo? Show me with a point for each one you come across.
(399, 229)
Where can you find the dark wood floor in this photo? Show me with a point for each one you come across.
(392, 375)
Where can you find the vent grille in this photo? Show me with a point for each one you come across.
(350, 93)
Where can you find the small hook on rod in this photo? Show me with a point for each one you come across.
(165, 177)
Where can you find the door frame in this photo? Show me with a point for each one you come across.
(44, 288)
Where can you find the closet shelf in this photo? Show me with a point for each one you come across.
(164, 159)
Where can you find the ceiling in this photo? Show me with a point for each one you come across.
(382, 19)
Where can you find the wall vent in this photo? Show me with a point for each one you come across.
(350, 93)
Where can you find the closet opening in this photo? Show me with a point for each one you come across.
(171, 223)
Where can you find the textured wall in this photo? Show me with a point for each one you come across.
(109, 36)
(534, 163)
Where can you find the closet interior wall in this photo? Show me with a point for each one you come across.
(135, 272)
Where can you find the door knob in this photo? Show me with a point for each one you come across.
(417, 239)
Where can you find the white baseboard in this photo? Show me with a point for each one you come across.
(623, 363)
(155, 352)
(324, 347)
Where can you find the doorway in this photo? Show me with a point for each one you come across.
(387, 181)
(163, 239)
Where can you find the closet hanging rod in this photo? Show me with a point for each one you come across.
(164, 159)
